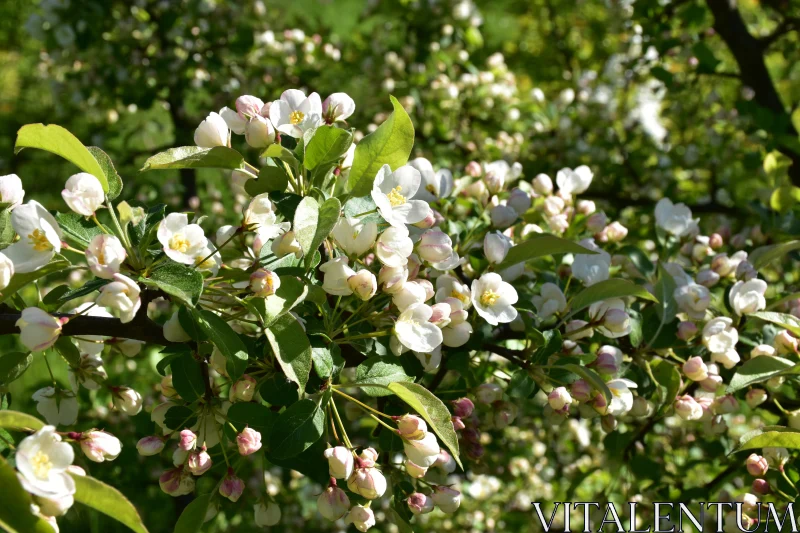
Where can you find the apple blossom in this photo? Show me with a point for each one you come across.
(42, 461)
(574, 181)
(11, 191)
(411, 427)
(414, 331)
(212, 132)
(503, 216)
(355, 235)
(367, 482)
(463, 407)
(176, 482)
(39, 237)
(493, 299)
(187, 440)
(295, 113)
(127, 400)
(621, 396)
(286, 244)
(337, 108)
(434, 246)
(747, 297)
(591, 269)
(340, 462)
(446, 499)
(6, 270)
(122, 296)
(450, 287)
(104, 255)
(433, 184)
(496, 246)
(148, 446)
(199, 462)
(243, 389)
(361, 517)
(248, 441)
(543, 185)
(264, 283)
(57, 406)
(231, 487)
(336, 273)
(173, 331)
(99, 446)
(559, 399)
(419, 503)
(182, 241)
(693, 299)
(422, 451)
(695, 369)
(675, 219)
(720, 337)
(687, 408)
(393, 193)
(83, 194)
(38, 330)
(411, 293)
(333, 503)
(550, 301)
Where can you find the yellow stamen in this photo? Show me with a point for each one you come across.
(459, 295)
(179, 243)
(296, 117)
(430, 188)
(489, 297)
(395, 198)
(41, 465)
(39, 241)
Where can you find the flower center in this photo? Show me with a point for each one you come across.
(296, 117)
(430, 188)
(489, 297)
(395, 198)
(458, 295)
(41, 465)
(179, 243)
(39, 241)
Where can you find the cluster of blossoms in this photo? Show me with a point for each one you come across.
(349, 256)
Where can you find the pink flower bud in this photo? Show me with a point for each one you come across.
(414, 470)
(363, 284)
(687, 408)
(445, 461)
(264, 283)
(361, 517)
(761, 486)
(333, 503)
(715, 241)
(428, 222)
(231, 486)
(474, 450)
(755, 397)
(463, 407)
(608, 423)
(615, 232)
(188, 440)
(504, 413)
(176, 482)
(100, 446)
(473, 169)
(148, 446)
(458, 424)
(441, 314)
(606, 362)
(695, 369)
(199, 462)
(368, 458)
(248, 441)
(785, 343)
(488, 393)
(367, 482)
(757, 465)
(727, 404)
(559, 400)
(686, 330)
(711, 383)
(243, 389)
(411, 427)
(446, 499)
(419, 503)
(581, 390)
(340, 462)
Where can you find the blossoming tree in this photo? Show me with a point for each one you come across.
(368, 322)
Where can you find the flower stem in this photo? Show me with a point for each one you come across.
(341, 425)
(363, 405)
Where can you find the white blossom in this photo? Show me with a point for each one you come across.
(574, 181)
(105, 255)
(182, 241)
(42, 460)
(414, 331)
(433, 184)
(393, 193)
(212, 132)
(748, 296)
(355, 235)
(294, 113)
(674, 218)
(39, 237)
(83, 194)
(11, 191)
(58, 407)
(493, 299)
(122, 296)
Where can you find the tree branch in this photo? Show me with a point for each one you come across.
(140, 328)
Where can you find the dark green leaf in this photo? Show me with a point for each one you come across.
(170, 353)
(270, 179)
(225, 339)
(291, 293)
(380, 371)
(78, 228)
(187, 377)
(87, 288)
(790, 322)
(254, 415)
(179, 417)
(298, 427)
(182, 282)
(13, 365)
(196, 157)
(292, 348)
(668, 377)
(67, 349)
(279, 390)
(108, 500)
(114, 181)
(194, 515)
(610, 288)
(521, 385)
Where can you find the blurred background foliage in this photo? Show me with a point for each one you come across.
(694, 99)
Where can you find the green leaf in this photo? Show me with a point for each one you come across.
(666, 307)
(279, 390)
(270, 179)
(13, 365)
(364, 204)
(114, 181)
(292, 348)
(17, 420)
(194, 515)
(187, 377)
(769, 437)
(298, 427)
(15, 505)
(311, 462)
(313, 223)
(182, 282)
(639, 259)
(591, 377)
(59, 141)
(20, 280)
(254, 415)
(6, 229)
(760, 369)
(291, 293)
(328, 144)
(540, 246)
(380, 371)
(521, 385)
(108, 500)
(196, 157)
(170, 353)
(87, 288)
(390, 144)
(668, 377)
(432, 410)
(277, 151)
(552, 344)
(77, 228)
(67, 349)
(52, 300)
(225, 339)
(764, 255)
(790, 322)
(179, 417)
(604, 290)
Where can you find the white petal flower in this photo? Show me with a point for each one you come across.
(496, 246)
(422, 452)
(450, 287)
(415, 332)
(11, 191)
(39, 237)
(337, 108)
(260, 213)
(433, 184)
(430, 361)
(394, 246)
(6, 270)
(83, 194)
(550, 301)
(591, 269)
(621, 396)
(58, 407)
(392, 192)
(574, 181)
(336, 273)
(42, 460)
(122, 296)
(674, 218)
(182, 241)
(720, 337)
(212, 132)
(693, 299)
(38, 330)
(493, 299)
(355, 235)
(748, 296)
(294, 113)
(105, 255)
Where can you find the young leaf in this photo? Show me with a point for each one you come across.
(87, 288)
(187, 377)
(77, 228)
(668, 377)
(541, 246)
(769, 437)
(13, 365)
(194, 515)
(313, 223)
(196, 157)
(378, 371)
(114, 181)
(292, 348)
(432, 410)
(59, 141)
(15, 505)
(610, 288)
(764, 255)
(17, 420)
(760, 369)
(225, 339)
(108, 500)
(22, 279)
(328, 144)
(298, 427)
(390, 144)
(180, 281)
